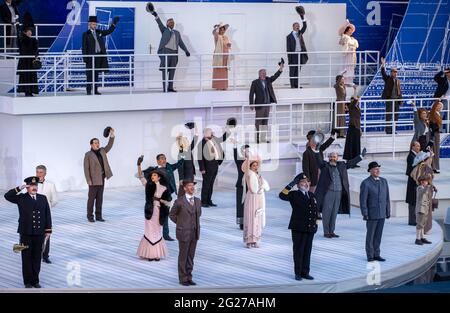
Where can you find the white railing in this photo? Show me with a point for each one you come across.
(291, 118)
(51, 31)
(140, 72)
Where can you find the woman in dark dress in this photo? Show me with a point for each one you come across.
(28, 46)
(353, 140)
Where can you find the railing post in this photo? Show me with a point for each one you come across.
(66, 69)
(329, 70)
(54, 76)
(4, 38)
(298, 69)
(233, 69)
(201, 74)
(130, 78)
(394, 124)
(360, 68)
(15, 77)
(303, 118)
(166, 76)
(290, 122)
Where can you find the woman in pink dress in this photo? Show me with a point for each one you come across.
(254, 204)
(157, 201)
(220, 60)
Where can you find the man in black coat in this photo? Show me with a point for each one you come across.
(333, 191)
(210, 156)
(303, 223)
(10, 15)
(94, 44)
(411, 187)
(240, 183)
(392, 90)
(443, 90)
(296, 49)
(261, 92)
(35, 226)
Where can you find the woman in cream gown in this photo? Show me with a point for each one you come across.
(220, 60)
(349, 46)
(255, 203)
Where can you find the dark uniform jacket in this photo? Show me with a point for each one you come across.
(187, 170)
(150, 190)
(34, 215)
(256, 95)
(88, 47)
(389, 85)
(309, 164)
(239, 162)
(205, 156)
(304, 210)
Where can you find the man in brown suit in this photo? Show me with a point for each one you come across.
(96, 169)
(186, 213)
(391, 90)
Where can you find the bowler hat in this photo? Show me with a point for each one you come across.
(231, 122)
(106, 131)
(150, 7)
(373, 165)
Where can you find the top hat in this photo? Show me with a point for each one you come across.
(106, 131)
(92, 19)
(188, 181)
(373, 165)
(32, 180)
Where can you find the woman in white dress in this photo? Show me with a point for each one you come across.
(254, 203)
(157, 200)
(349, 46)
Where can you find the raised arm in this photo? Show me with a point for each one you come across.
(320, 163)
(303, 29)
(326, 144)
(383, 73)
(353, 162)
(284, 194)
(276, 75)
(13, 195)
(108, 31)
(110, 143)
(161, 26)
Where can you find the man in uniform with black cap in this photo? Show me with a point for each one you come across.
(96, 169)
(35, 227)
(94, 44)
(303, 223)
(375, 208)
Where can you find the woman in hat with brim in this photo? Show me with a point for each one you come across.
(255, 202)
(220, 58)
(349, 45)
(157, 201)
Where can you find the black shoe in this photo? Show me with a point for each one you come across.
(171, 90)
(46, 260)
(370, 259)
(192, 283)
(204, 205)
(97, 93)
(99, 219)
(436, 171)
(185, 283)
(425, 241)
(328, 236)
(412, 224)
(356, 166)
(241, 226)
(379, 258)
(419, 242)
(151, 260)
(334, 235)
(29, 95)
(307, 276)
(168, 238)
(212, 204)
(157, 260)
(89, 93)
(91, 219)
(37, 285)
(298, 277)
(28, 286)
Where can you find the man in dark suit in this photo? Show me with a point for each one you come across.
(186, 212)
(10, 15)
(261, 92)
(333, 191)
(210, 156)
(96, 170)
(309, 164)
(296, 49)
(375, 206)
(240, 183)
(170, 41)
(35, 227)
(411, 187)
(169, 170)
(303, 223)
(94, 44)
(392, 90)
(443, 91)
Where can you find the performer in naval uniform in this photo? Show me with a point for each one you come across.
(35, 226)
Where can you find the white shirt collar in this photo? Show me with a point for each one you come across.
(188, 197)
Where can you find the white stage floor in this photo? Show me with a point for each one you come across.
(106, 252)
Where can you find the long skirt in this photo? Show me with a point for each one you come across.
(220, 78)
(352, 143)
(152, 245)
(436, 150)
(254, 216)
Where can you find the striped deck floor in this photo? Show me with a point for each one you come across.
(104, 254)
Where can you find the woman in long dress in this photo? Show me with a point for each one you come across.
(254, 203)
(353, 141)
(349, 45)
(29, 51)
(435, 126)
(422, 132)
(157, 199)
(220, 60)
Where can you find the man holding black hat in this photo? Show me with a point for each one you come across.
(170, 41)
(303, 223)
(94, 44)
(391, 91)
(375, 208)
(296, 48)
(96, 169)
(186, 212)
(35, 227)
(261, 92)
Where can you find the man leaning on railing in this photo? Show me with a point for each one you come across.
(94, 44)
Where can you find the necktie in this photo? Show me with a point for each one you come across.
(191, 201)
(34, 197)
(97, 45)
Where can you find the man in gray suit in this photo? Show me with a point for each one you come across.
(170, 41)
(375, 208)
(186, 213)
(96, 169)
